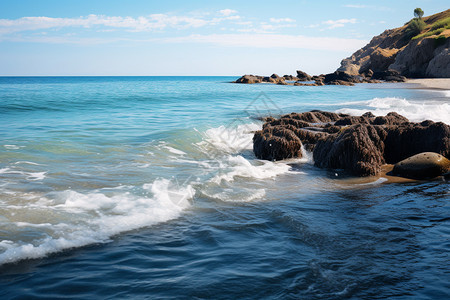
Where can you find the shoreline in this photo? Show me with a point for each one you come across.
(430, 83)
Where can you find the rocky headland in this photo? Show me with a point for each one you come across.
(393, 56)
(360, 145)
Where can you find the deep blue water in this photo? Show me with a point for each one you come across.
(146, 187)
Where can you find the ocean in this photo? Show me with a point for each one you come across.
(147, 187)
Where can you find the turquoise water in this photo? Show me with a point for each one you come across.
(147, 187)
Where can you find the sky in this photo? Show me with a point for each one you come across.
(198, 38)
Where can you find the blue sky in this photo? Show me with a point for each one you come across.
(137, 37)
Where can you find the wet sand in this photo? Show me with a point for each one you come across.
(431, 83)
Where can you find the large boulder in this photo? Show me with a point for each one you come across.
(422, 166)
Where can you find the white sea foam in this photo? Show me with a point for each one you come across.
(228, 195)
(437, 111)
(80, 219)
(31, 176)
(27, 162)
(175, 151)
(238, 166)
(11, 147)
(4, 170)
(230, 139)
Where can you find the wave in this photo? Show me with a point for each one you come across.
(238, 166)
(69, 219)
(415, 111)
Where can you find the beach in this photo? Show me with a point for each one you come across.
(431, 83)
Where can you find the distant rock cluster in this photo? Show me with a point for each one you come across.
(358, 144)
(336, 78)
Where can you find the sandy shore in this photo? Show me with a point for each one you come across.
(431, 83)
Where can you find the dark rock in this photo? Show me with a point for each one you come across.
(368, 73)
(388, 75)
(290, 77)
(249, 79)
(302, 76)
(422, 166)
(305, 84)
(391, 118)
(319, 82)
(368, 115)
(341, 76)
(274, 76)
(358, 149)
(409, 139)
(351, 120)
(358, 144)
(340, 82)
(269, 79)
(276, 143)
(318, 77)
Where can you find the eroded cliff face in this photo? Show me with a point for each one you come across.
(395, 49)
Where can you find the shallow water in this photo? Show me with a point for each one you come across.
(150, 184)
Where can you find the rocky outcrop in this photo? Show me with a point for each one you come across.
(358, 144)
(439, 65)
(396, 49)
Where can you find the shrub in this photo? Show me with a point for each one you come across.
(440, 24)
(429, 33)
(415, 27)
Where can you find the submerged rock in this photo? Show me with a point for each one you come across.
(422, 166)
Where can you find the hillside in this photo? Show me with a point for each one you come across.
(418, 55)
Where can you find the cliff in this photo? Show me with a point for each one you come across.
(422, 54)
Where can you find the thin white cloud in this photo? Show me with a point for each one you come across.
(282, 20)
(355, 5)
(339, 23)
(272, 41)
(332, 24)
(375, 7)
(143, 23)
(228, 12)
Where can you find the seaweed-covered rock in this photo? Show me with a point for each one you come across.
(358, 149)
(276, 143)
(358, 144)
(409, 139)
